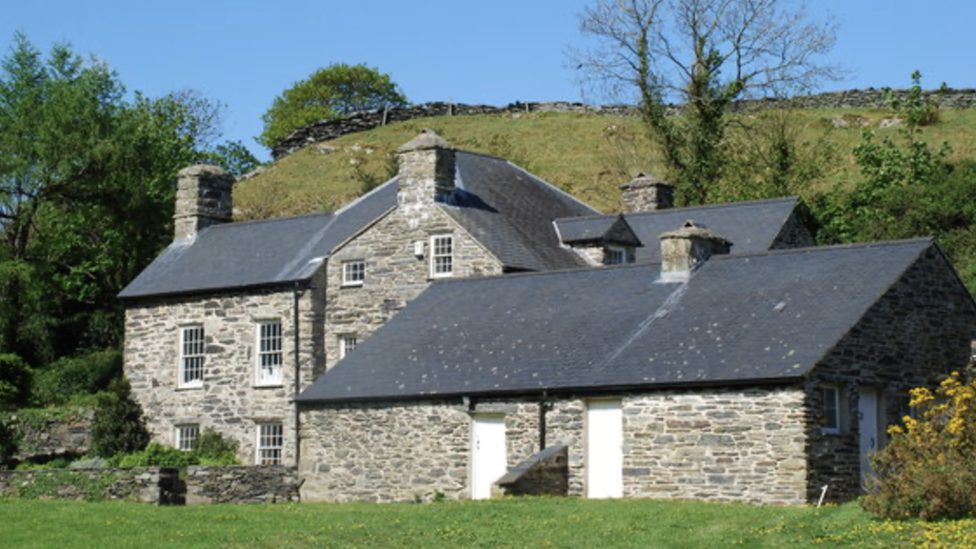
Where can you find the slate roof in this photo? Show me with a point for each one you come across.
(507, 209)
(511, 212)
(767, 316)
(750, 226)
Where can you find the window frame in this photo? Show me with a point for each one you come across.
(270, 443)
(613, 251)
(837, 410)
(439, 259)
(270, 354)
(347, 344)
(350, 272)
(184, 435)
(192, 356)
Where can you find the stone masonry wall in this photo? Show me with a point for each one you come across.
(394, 274)
(721, 445)
(918, 332)
(229, 400)
(140, 484)
(365, 121)
(794, 234)
(251, 484)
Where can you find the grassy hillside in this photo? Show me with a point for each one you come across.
(586, 155)
(521, 523)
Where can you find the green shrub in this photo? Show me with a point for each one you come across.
(57, 382)
(15, 381)
(117, 426)
(211, 448)
(928, 468)
(159, 455)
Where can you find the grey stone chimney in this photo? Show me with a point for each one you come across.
(686, 249)
(426, 171)
(203, 198)
(646, 193)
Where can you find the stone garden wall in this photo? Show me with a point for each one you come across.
(364, 121)
(156, 485)
(41, 434)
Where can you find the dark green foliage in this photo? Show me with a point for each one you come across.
(329, 93)
(117, 426)
(159, 455)
(67, 377)
(211, 448)
(87, 177)
(15, 381)
(8, 444)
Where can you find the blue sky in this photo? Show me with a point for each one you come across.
(243, 52)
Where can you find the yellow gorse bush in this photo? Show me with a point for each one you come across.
(928, 468)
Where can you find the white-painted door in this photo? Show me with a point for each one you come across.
(867, 417)
(488, 456)
(604, 449)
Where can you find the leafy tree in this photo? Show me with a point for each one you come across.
(86, 195)
(333, 92)
(705, 55)
(117, 426)
(15, 381)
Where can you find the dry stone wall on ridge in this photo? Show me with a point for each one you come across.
(869, 98)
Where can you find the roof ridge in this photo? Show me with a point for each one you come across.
(928, 240)
(793, 198)
(221, 226)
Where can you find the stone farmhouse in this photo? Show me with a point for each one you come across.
(468, 329)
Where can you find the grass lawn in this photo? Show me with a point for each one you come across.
(522, 523)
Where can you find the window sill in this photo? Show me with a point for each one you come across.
(269, 385)
(351, 285)
(195, 387)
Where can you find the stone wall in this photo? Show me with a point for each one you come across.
(229, 400)
(141, 484)
(267, 484)
(38, 434)
(719, 445)
(156, 485)
(794, 234)
(365, 121)
(929, 303)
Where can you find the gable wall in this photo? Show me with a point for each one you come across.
(229, 400)
(721, 445)
(794, 234)
(394, 275)
(918, 332)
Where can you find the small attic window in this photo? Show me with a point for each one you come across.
(616, 255)
(353, 273)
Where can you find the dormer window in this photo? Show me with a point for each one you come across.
(441, 256)
(616, 255)
(353, 273)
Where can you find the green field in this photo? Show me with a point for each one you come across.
(509, 523)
